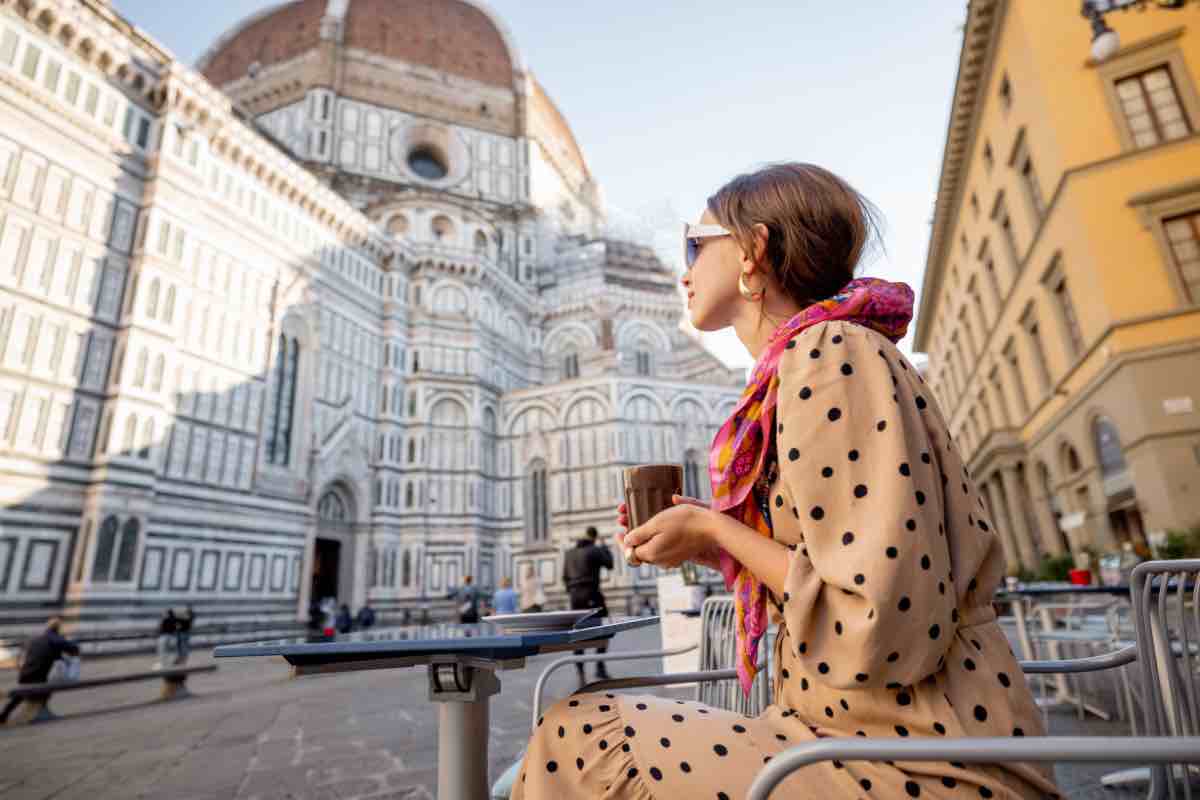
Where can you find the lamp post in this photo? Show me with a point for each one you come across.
(1105, 41)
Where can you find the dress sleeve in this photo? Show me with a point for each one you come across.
(868, 597)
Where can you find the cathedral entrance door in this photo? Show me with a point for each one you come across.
(326, 556)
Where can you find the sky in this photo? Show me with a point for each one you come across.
(669, 100)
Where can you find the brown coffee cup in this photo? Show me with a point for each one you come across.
(648, 490)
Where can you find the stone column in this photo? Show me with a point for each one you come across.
(1020, 529)
(1047, 524)
(1001, 524)
(360, 540)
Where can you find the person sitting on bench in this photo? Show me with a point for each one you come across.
(40, 654)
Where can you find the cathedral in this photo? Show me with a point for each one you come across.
(333, 313)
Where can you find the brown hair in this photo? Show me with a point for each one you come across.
(818, 226)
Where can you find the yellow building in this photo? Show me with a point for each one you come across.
(1061, 302)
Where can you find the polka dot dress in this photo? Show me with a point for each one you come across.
(885, 624)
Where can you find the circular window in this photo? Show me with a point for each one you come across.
(427, 163)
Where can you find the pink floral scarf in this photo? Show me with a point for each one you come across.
(739, 451)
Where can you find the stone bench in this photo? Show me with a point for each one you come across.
(36, 696)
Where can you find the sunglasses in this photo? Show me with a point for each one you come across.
(692, 236)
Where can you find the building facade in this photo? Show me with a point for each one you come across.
(1061, 304)
(333, 315)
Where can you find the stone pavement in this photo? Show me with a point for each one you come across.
(251, 733)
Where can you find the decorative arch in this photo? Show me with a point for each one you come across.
(633, 333)
(570, 334)
(629, 411)
(338, 502)
(448, 410)
(542, 410)
(1106, 442)
(448, 297)
(1069, 461)
(682, 411)
(580, 398)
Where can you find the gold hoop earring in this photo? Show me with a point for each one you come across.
(752, 296)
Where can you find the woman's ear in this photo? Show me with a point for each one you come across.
(755, 260)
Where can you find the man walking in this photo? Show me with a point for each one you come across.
(468, 601)
(40, 655)
(581, 574)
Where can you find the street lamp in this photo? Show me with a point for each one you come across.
(1105, 41)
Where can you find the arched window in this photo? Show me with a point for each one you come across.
(537, 511)
(127, 553)
(106, 543)
(332, 507)
(644, 365)
(128, 442)
(152, 298)
(571, 366)
(169, 306)
(1108, 447)
(406, 569)
(692, 472)
(139, 375)
(442, 227)
(408, 496)
(147, 438)
(283, 404)
(412, 450)
(1070, 459)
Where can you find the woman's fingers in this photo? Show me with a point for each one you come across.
(681, 500)
(638, 536)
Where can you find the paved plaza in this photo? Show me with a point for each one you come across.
(250, 732)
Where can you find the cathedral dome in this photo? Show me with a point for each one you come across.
(452, 36)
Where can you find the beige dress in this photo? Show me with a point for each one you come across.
(886, 627)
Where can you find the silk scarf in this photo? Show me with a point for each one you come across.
(739, 451)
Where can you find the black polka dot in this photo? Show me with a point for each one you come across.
(579, 763)
(983, 526)
(779, 501)
(540, 721)
(920, 498)
(817, 512)
(685, 766)
(969, 664)
(905, 604)
(935, 631)
(829, 712)
(985, 791)
(925, 562)
(971, 585)
(949, 783)
(837, 339)
(892, 552)
(677, 717)
(630, 732)
(901, 730)
(793, 454)
(881, 425)
(837, 627)
(587, 728)
(791, 344)
(920, 402)
(573, 703)
(641, 706)
(656, 773)
(913, 789)
(722, 796)
(860, 579)
(561, 731)
(940, 728)
(860, 491)
(861, 677)
(911, 524)
(1018, 732)
(847, 369)
(893, 657)
(905, 470)
(823, 668)
(852, 455)
(827, 472)
(603, 708)
(739, 729)
(720, 749)
(804, 684)
(981, 713)
(903, 699)
(625, 747)
(924, 458)
(802, 647)
(665, 742)
(632, 773)
(835, 414)
(603, 744)
(551, 766)
(845, 706)
(814, 353)
(805, 393)
(1004, 681)
(784, 672)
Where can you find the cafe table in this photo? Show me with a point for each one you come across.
(461, 663)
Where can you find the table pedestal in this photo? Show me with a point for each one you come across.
(463, 692)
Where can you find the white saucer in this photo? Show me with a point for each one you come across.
(540, 621)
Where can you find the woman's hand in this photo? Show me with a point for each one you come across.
(672, 536)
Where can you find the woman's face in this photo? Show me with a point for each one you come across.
(711, 282)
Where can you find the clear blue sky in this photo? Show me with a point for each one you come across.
(670, 99)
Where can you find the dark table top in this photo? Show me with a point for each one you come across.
(1049, 588)
(421, 644)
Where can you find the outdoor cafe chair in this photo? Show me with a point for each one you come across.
(1166, 602)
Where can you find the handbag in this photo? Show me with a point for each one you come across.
(64, 670)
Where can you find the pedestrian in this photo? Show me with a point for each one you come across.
(344, 622)
(581, 574)
(842, 512)
(468, 601)
(505, 599)
(366, 616)
(533, 596)
(183, 635)
(40, 654)
(168, 628)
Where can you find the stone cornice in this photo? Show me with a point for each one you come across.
(980, 33)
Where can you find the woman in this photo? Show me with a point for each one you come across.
(533, 596)
(842, 509)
